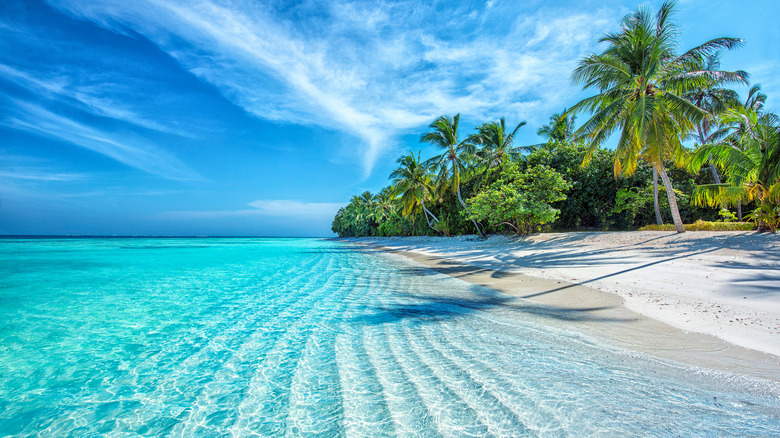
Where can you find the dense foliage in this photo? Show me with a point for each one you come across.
(655, 98)
(520, 199)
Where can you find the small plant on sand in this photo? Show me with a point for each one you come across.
(726, 216)
(766, 217)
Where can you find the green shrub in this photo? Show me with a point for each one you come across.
(520, 199)
(704, 226)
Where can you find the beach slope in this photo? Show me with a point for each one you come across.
(721, 284)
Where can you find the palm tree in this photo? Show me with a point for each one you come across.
(384, 204)
(452, 161)
(559, 129)
(710, 96)
(641, 83)
(755, 99)
(739, 128)
(412, 180)
(751, 156)
(496, 142)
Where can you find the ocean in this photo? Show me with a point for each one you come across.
(271, 337)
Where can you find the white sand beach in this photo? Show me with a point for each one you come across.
(721, 284)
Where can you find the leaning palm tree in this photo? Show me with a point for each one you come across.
(641, 82)
(452, 161)
(559, 129)
(412, 180)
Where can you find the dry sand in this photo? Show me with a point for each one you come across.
(709, 299)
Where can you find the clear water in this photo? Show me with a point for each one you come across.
(271, 337)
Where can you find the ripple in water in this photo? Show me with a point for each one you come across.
(270, 337)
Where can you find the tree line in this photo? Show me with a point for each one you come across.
(653, 98)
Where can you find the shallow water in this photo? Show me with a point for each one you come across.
(270, 337)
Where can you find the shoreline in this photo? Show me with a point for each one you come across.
(610, 316)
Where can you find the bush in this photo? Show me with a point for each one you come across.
(518, 199)
(704, 226)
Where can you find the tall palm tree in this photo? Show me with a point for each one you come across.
(495, 142)
(452, 161)
(560, 128)
(641, 82)
(412, 180)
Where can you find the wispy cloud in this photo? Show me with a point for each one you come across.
(371, 70)
(93, 98)
(268, 207)
(134, 153)
(38, 175)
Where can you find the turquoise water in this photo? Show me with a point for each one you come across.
(271, 337)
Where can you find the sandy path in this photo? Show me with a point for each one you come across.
(724, 284)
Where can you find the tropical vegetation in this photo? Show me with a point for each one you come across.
(673, 115)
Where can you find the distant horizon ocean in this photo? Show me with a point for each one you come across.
(207, 336)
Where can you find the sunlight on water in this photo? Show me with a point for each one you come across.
(268, 337)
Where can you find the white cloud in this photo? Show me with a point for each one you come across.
(93, 98)
(38, 175)
(134, 153)
(283, 207)
(373, 70)
(268, 207)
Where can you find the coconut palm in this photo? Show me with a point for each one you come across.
(495, 142)
(751, 156)
(755, 99)
(412, 180)
(641, 84)
(559, 129)
(738, 127)
(453, 160)
(384, 204)
(710, 96)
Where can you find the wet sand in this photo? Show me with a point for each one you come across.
(603, 316)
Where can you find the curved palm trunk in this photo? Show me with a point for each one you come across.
(428, 219)
(460, 199)
(678, 225)
(714, 172)
(656, 205)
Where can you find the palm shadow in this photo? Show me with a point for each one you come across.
(433, 308)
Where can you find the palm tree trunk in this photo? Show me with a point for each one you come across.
(678, 225)
(460, 199)
(714, 172)
(428, 219)
(657, 206)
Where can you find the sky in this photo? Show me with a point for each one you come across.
(262, 118)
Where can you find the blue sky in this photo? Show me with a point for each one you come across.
(166, 117)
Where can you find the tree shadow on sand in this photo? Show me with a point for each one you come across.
(432, 308)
